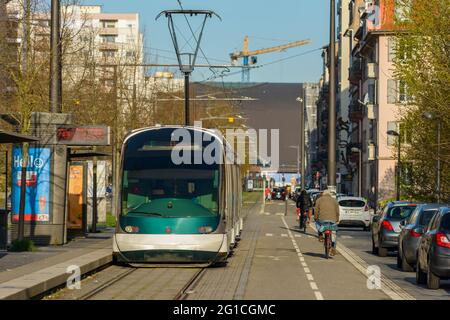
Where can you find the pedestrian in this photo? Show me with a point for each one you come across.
(303, 203)
(326, 211)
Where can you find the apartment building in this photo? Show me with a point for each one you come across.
(11, 13)
(376, 97)
(310, 96)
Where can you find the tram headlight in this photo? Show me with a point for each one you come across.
(131, 229)
(205, 229)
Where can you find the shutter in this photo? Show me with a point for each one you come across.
(392, 91)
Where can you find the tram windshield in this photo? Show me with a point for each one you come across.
(153, 186)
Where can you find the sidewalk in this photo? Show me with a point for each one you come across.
(27, 274)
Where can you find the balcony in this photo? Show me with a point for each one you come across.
(356, 112)
(108, 31)
(355, 71)
(108, 46)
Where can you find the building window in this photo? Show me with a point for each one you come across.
(405, 133)
(108, 53)
(109, 39)
(109, 23)
(397, 92)
(391, 49)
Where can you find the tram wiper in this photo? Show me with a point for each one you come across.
(150, 213)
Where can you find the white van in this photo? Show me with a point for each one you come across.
(354, 212)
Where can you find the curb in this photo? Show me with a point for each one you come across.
(36, 283)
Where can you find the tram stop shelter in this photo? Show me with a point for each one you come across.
(8, 137)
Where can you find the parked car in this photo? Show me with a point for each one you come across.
(354, 212)
(433, 253)
(385, 227)
(412, 230)
(279, 194)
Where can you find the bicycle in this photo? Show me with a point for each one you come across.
(327, 228)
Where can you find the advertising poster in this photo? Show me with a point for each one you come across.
(37, 184)
(76, 201)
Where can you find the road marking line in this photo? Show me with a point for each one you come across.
(318, 295)
(269, 234)
(284, 235)
(309, 276)
(267, 213)
(298, 235)
(390, 288)
(279, 214)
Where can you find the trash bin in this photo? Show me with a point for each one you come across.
(3, 229)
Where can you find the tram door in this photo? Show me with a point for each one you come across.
(77, 213)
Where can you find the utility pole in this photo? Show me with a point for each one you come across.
(302, 142)
(332, 103)
(186, 66)
(55, 59)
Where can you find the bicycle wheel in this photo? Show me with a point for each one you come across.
(327, 245)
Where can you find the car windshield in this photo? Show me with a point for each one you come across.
(400, 212)
(426, 217)
(352, 203)
(445, 224)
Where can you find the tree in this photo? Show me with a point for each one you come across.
(422, 62)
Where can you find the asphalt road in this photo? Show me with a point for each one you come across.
(276, 260)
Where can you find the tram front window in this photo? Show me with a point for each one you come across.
(153, 186)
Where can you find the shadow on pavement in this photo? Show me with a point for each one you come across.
(314, 254)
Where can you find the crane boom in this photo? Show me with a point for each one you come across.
(249, 57)
(246, 53)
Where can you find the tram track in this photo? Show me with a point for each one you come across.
(135, 283)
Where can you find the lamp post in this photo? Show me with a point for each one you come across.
(298, 158)
(332, 103)
(431, 116)
(396, 134)
(359, 170)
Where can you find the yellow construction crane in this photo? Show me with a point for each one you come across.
(249, 57)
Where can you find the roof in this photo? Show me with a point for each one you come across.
(12, 137)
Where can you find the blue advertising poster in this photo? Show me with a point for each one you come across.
(37, 184)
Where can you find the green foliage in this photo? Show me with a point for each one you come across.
(110, 220)
(22, 246)
(422, 62)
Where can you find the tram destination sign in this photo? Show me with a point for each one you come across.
(90, 135)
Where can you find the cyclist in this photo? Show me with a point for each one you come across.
(326, 211)
(303, 203)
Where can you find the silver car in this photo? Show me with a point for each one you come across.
(412, 230)
(386, 226)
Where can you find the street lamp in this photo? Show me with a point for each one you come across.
(359, 151)
(396, 134)
(298, 158)
(431, 116)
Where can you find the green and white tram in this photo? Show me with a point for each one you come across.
(180, 197)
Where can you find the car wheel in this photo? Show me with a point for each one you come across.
(374, 248)
(433, 281)
(406, 267)
(399, 260)
(420, 275)
(382, 252)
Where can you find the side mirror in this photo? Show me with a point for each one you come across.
(376, 218)
(419, 230)
(403, 223)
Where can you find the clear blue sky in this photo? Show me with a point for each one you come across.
(287, 20)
